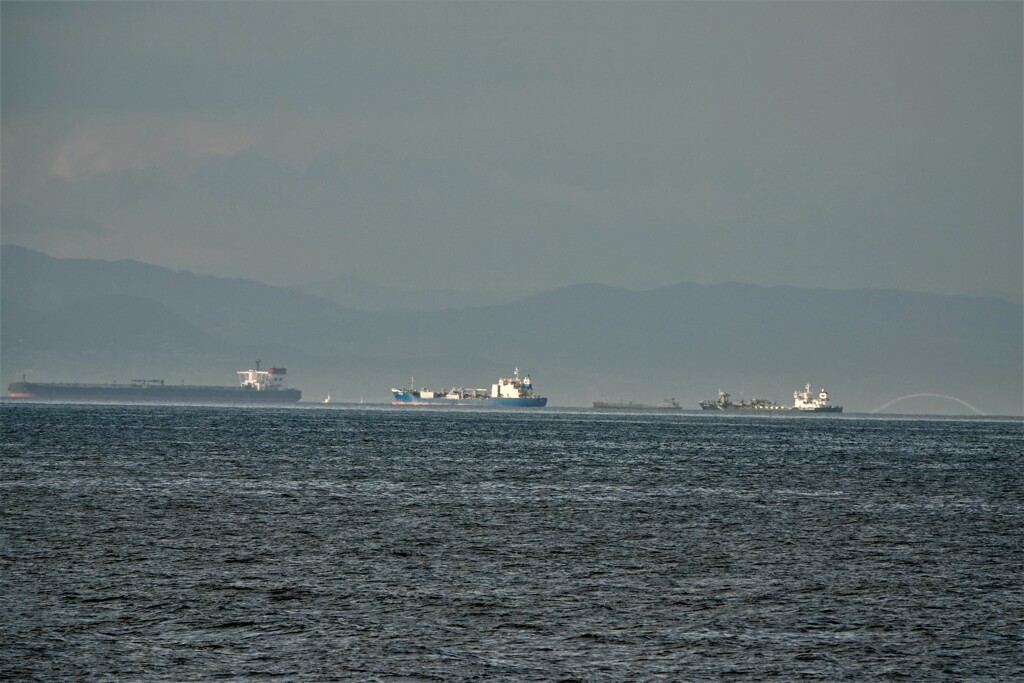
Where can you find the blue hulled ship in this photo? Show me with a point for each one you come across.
(507, 392)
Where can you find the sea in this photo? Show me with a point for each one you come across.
(367, 543)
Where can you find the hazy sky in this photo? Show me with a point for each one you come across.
(493, 145)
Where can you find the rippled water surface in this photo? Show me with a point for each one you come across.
(195, 543)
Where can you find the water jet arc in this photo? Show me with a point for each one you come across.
(949, 398)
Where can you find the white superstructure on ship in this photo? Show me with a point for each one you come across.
(262, 380)
(807, 401)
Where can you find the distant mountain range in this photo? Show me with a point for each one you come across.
(356, 293)
(90, 320)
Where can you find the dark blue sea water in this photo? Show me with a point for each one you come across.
(199, 543)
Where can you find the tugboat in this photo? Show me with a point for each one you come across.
(511, 392)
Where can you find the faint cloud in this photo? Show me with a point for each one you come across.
(204, 140)
(97, 149)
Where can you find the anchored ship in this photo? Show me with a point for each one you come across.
(803, 401)
(510, 392)
(667, 404)
(725, 403)
(254, 386)
(806, 400)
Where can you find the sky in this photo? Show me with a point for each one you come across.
(522, 145)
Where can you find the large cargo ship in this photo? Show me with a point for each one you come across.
(510, 392)
(667, 404)
(803, 401)
(254, 386)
